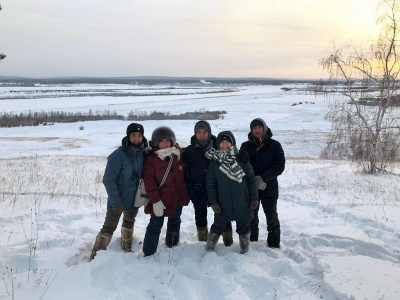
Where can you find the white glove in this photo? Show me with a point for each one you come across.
(261, 185)
(158, 208)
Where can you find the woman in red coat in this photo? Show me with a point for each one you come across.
(169, 198)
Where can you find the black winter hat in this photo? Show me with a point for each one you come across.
(202, 125)
(256, 122)
(134, 127)
(226, 136)
(162, 133)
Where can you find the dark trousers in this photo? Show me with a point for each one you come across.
(273, 226)
(153, 231)
(221, 223)
(200, 214)
(112, 219)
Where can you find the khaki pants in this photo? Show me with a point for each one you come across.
(112, 219)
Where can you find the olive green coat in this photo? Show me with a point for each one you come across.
(233, 197)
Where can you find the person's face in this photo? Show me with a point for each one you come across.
(136, 138)
(164, 144)
(225, 145)
(257, 131)
(202, 135)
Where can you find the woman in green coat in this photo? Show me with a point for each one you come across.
(232, 191)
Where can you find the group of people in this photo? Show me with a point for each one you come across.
(211, 171)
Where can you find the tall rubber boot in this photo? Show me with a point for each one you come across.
(202, 234)
(244, 240)
(126, 238)
(101, 243)
(227, 237)
(212, 241)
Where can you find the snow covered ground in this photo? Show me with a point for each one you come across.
(340, 229)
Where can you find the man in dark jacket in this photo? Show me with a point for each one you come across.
(196, 164)
(268, 161)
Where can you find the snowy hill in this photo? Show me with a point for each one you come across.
(340, 229)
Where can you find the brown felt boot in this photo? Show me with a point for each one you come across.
(244, 240)
(126, 238)
(227, 237)
(202, 233)
(212, 241)
(101, 243)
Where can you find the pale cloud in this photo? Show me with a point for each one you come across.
(258, 38)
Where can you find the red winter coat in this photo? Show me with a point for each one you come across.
(173, 191)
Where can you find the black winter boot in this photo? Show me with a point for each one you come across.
(171, 238)
(101, 243)
(202, 233)
(126, 238)
(244, 240)
(212, 241)
(227, 237)
(254, 235)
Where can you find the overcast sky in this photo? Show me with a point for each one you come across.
(222, 38)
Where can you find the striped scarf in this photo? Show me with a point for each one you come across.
(229, 165)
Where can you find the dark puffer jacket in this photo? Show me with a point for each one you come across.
(173, 191)
(196, 165)
(233, 197)
(267, 160)
(122, 174)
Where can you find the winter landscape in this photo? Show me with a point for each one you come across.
(340, 228)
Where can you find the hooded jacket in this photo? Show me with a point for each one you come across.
(122, 174)
(196, 165)
(173, 192)
(234, 197)
(267, 159)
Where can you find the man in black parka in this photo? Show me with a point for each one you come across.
(195, 165)
(268, 161)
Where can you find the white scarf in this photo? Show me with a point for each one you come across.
(163, 153)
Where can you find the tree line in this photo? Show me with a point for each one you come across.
(47, 118)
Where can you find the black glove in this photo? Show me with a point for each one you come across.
(244, 156)
(118, 210)
(216, 208)
(253, 204)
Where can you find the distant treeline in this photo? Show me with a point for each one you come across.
(49, 118)
(159, 115)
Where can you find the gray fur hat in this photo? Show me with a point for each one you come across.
(162, 133)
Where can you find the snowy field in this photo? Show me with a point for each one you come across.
(340, 229)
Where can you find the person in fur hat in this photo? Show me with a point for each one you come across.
(196, 164)
(121, 178)
(268, 161)
(168, 198)
(232, 191)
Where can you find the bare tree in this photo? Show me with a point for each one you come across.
(366, 122)
(2, 56)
